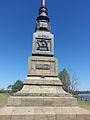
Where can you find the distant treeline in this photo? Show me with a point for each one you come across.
(5, 91)
(81, 92)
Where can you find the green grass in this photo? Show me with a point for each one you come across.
(84, 104)
(3, 99)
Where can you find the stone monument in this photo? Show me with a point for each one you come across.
(42, 96)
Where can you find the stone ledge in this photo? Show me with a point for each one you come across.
(43, 81)
(44, 113)
(42, 101)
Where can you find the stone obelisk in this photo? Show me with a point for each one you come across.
(42, 96)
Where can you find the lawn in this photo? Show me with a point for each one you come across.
(84, 104)
(3, 99)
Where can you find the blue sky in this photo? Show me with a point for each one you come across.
(70, 23)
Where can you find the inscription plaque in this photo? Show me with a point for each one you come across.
(43, 66)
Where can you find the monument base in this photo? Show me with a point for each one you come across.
(42, 92)
(43, 99)
(44, 113)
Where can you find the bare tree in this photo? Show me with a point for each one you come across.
(74, 82)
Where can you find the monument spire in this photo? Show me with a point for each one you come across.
(43, 40)
(43, 3)
(42, 23)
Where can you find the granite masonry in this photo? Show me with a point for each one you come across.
(42, 96)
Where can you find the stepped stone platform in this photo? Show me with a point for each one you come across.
(42, 92)
(43, 99)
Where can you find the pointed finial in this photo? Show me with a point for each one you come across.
(43, 3)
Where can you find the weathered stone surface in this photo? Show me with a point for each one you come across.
(5, 117)
(42, 101)
(16, 101)
(6, 111)
(39, 91)
(42, 66)
(43, 43)
(43, 87)
(54, 81)
(44, 113)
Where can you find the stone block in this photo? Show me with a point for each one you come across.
(10, 101)
(29, 117)
(42, 66)
(17, 101)
(66, 117)
(5, 117)
(44, 113)
(32, 101)
(48, 81)
(43, 44)
(14, 101)
(6, 111)
(23, 111)
(44, 117)
(82, 117)
(18, 117)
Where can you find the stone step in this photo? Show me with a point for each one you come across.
(44, 113)
(42, 87)
(41, 101)
(53, 81)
